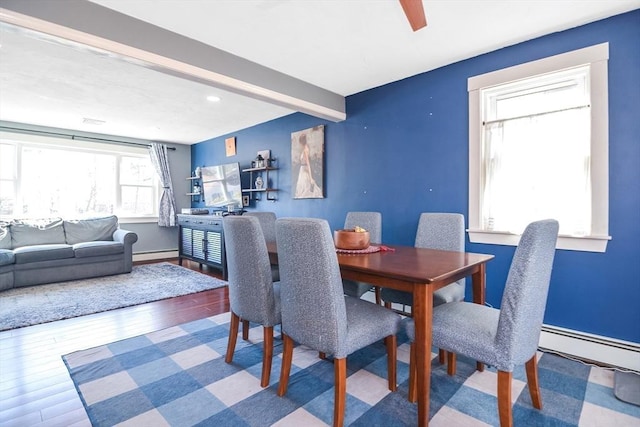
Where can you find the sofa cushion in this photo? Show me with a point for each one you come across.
(37, 232)
(88, 249)
(7, 257)
(37, 253)
(90, 230)
(5, 235)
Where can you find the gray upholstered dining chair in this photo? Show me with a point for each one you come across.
(315, 311)
(505, 337)
(372, 222)
(268, 224)
(253, 296)
(443, 231)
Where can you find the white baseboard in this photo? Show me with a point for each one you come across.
(150, 256)
(597, 348)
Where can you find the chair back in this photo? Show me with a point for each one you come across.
(370, 221)
(251, 293)
(313, 306)
(267, 223)
(445, 232)
(525, 294)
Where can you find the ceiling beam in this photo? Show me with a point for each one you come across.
(157, 48)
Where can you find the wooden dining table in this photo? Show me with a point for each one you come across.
(421, 272)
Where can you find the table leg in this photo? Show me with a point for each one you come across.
(422, 317)
(479, 295)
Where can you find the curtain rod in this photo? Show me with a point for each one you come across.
(74, 137)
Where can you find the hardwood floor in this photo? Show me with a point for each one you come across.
(35, 387)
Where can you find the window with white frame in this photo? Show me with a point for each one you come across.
(43, 176)
(538, 139)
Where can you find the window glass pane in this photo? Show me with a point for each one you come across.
(538, 168)
(137, 200)
(7, 198)
(7, 161)
(67, 183)
(136, 171)
(536, 153)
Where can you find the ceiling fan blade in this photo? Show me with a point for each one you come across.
(415, 13)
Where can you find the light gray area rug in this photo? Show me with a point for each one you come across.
(151, 282)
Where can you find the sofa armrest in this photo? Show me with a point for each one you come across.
(127, 238)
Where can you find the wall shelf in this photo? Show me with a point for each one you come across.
(265, 174)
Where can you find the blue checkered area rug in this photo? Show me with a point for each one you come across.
(178, 377)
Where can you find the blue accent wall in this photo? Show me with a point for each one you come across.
(403, 150)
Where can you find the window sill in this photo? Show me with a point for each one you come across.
(571, 243)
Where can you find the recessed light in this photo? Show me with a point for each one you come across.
(212, 98)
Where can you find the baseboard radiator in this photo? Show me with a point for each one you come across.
(589, 347)
(156, 255)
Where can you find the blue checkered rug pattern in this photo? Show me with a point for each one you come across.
(178, 377)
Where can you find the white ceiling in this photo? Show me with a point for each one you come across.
(342, 46)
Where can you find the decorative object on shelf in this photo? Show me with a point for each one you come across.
(196, 187)
(245, 201)
(307, 163)
(230, 146)
(259, 183)
(259, 161)
(266, 158)
(197, 173)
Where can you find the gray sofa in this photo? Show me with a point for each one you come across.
(54, 250)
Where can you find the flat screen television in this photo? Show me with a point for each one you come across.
(221, 186)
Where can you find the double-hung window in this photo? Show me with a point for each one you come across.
(538, 149)
(48, 176)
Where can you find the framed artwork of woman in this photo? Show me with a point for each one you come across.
(307, 163)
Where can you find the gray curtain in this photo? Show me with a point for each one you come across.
(167, 208)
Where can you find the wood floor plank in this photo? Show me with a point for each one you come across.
(35, 387)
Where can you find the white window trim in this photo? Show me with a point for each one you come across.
(596, 56)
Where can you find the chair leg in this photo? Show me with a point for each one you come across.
(322, 355)
(387, 304)
(504, 399)
(413, 384)
(285, 370)
(532, 381)
(392, 355)
(267, 355)
(377, 292)
(245, 330)
(441, 355)
(340, 399)
(451, 363)
(233, 336)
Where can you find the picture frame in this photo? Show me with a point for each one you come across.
(230, 146)
(307, 163)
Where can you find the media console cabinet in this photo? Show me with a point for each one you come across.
(202, 241)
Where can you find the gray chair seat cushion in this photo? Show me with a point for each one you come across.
(89, 249)
(476, 339)
(450, 293)
(7, 257)
(366, 324)
(38, 253)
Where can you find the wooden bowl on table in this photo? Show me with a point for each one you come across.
(351, 239)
